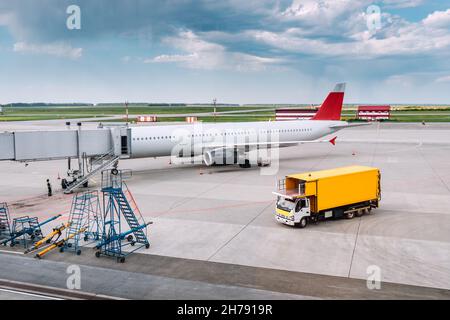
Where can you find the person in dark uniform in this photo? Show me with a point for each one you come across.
(49, 187)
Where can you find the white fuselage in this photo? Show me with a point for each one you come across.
(159, 141)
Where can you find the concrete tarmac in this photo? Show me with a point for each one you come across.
(226, 214)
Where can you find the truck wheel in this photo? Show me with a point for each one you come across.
(350, 215)
(360, 213)
(303, 223)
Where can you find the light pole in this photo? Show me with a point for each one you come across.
(215, 102)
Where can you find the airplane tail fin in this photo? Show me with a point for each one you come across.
(331, 108)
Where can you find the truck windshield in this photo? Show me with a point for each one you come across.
(285, 204)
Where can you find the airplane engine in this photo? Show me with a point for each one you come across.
(220, 157)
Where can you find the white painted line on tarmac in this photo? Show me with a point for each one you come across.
(13, 252)
(29, 294)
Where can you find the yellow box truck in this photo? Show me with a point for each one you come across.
(335, 193)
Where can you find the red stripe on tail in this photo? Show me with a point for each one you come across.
(332, 106)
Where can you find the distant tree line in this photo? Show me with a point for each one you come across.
(140, 104)
(43, 104)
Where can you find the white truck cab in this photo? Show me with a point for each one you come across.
(293, 212)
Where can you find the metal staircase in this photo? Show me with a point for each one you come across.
(5, 227)
(84, 214)
(104, 162)
(119, 205)
(76, 223)
(28, 229)
(130, 215)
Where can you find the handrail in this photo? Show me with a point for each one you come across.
(98, 161)
(132, 200)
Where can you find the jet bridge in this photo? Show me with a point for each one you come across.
(95, 149)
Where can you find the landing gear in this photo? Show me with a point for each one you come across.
(264, 162)
(246, 164)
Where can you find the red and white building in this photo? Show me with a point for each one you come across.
(149, 118)
(374, 113)
(191, 119)
(294, 114)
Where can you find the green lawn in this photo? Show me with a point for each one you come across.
(115, 110)
(65, 112)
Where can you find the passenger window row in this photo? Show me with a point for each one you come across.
(222, 134)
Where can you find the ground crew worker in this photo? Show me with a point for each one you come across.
(49, 187)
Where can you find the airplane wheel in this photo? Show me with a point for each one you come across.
(246, 164)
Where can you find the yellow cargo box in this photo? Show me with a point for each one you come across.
(334, 188)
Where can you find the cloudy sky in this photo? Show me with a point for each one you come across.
(252, 51)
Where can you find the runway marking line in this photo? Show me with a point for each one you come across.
(13, 252)
(29, 294)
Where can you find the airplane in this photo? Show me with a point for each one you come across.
(231, 143)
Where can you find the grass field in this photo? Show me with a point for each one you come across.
(263, 113)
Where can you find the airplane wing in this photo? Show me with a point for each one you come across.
(264, 144)
(349, 125)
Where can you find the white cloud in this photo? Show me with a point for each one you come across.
(58, 49)
(397, 37)
(202, 54)
(438, 19)
(325, 10)
(327, 16)
(402, 3)
(5, 19)
(443, 79)
(126, 59)
(173, 58)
